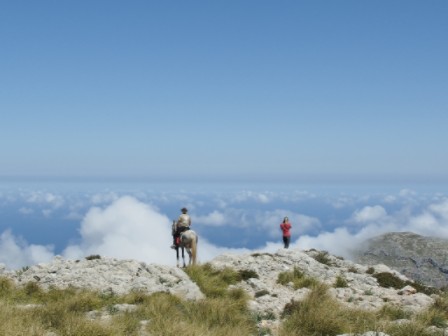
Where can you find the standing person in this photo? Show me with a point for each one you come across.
(183, 223)
(285, 226)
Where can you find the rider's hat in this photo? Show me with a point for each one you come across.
(184, 210)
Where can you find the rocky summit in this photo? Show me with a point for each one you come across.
(360, 289)
(354, 285)
(424, 259)
(109, 275)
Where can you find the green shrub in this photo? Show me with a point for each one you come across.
(352, 269)
(259, 254)
(370, 270)
(422, 288)
(93, 257)
(323, 258)
(261, 293)
(247, 274)
(340, 282)
(387, 280)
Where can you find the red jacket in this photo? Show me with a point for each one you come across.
(285, 227)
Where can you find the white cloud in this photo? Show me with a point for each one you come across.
(432, 221)
(130, 228)
(340, 242)
(440, 209)
(47, 212)
(341, 202)
(26, 211)
(16, 253)
(263, 198)
(51, 199)
(127, 228)
(369, 214)
(103, 198)
(258, 197)
(407, 193)
(390, 199)
(74, 215)
(214, 218)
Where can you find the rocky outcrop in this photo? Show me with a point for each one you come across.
(353, 285)
(360, 289)
(424, 259)
(110, 275)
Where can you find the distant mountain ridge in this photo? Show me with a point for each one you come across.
(423, 259)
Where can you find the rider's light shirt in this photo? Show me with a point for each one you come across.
(184, 220)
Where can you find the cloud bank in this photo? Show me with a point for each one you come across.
(127, 227)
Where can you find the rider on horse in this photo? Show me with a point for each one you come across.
(183, 223)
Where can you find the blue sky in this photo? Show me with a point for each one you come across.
(114, 115)
(232, 90)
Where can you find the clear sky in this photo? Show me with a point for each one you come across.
(271, 90)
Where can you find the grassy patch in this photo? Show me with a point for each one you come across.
(318, 314)
(29, 310)
(392, 313)
(323, 258)
(298, 279)
(213, 283)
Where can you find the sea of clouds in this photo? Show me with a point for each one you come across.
(135, 221)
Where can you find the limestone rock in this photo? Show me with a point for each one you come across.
(362, 290)
(423, 259)
(111, 275)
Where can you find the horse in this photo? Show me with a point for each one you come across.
(188, 240)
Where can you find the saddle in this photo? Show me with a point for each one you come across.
(179, 233)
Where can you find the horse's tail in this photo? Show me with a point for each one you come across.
(194, 249)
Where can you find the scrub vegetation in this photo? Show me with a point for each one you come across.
(30, 310)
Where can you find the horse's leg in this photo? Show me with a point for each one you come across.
(189, 256)
(183, 255)
(177, 256)
(194, 249)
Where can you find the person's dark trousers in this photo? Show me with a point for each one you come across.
(286, 241)
(178, 232)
